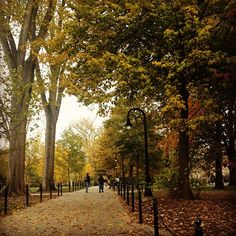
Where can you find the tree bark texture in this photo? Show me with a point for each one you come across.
(219, 182)
(231, 149)
(48, 177)
(16, 161)
(229, 141)
(232, 165)
(51, 108)
(19, 113)
(184, 190)
(21, 67)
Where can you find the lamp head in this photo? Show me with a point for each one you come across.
(128, 123)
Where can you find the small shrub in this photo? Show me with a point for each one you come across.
(168, 179)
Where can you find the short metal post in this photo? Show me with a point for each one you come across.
(140, 206)
(5, 200)
(27, 195)
(155, 213)
(58, 189)
(198, 228)
(121, 189)
(132, 197)
(69, 186)
(73, 186)
(61, 188)
(41, 192)
(127, 193)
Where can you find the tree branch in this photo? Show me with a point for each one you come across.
(41, 85)
(7, 40)
(24, 32)
(47, 19)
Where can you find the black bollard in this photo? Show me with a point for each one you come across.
(41, 192)
(155, 213)
(61, 188)
(140, 206)
(132, 198)
(121, 189)
(5, 200)
(27, 195)
(198, 228)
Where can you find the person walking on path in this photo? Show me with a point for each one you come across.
(76, 214)
(101, 183)
(87, 182)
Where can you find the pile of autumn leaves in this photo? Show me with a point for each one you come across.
(217, 211)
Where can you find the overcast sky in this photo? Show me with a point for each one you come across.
(71, 111)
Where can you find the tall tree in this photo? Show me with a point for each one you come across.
(156, 50)
(225, 85)
(22, 22)
(52, 85)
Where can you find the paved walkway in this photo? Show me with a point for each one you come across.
(75, 214)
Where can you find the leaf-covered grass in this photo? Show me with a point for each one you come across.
(17, 203)
(216, 209)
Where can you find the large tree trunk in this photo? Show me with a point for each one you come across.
(229, 141)
(219, 183)
(231, 151)
(48, 177)
(16, 161)
(20, 100)
(21, 65)
(184, 190)
(51, 108)
(232, 163)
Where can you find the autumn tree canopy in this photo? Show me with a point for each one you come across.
(158, 51)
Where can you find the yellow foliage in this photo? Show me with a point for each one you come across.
(88, 169)
(157, 63)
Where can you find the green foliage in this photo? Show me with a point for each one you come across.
(70, 157)
(168, 179)
(34, 162)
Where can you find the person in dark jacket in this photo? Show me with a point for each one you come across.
(87, 182)
(101, 183)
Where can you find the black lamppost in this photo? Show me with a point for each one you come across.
(148, 191)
